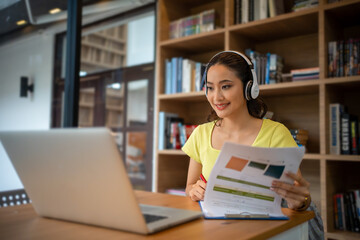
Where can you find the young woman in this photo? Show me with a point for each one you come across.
(237, 116)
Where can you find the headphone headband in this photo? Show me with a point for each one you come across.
(251, 88)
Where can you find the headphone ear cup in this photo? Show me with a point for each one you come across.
(248, 90)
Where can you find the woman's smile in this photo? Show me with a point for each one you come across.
(221, 106)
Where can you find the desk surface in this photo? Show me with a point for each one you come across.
(21, 222)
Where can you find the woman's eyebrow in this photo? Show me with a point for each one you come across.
(222, 81)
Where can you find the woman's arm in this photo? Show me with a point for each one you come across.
(195, 188)
(297, 195)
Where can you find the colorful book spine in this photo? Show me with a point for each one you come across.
(335, 112)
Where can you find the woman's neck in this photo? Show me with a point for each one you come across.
(239, 123)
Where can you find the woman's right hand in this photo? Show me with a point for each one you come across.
(197, 191)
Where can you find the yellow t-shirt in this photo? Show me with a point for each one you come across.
(199, 148)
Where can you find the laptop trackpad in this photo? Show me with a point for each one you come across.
(166, 216)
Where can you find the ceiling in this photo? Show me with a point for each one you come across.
(36, 12)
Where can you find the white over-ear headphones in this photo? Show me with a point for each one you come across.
(251, 89)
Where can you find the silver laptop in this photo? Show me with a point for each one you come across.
(79, 175)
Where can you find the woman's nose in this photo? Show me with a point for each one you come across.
(218, 94)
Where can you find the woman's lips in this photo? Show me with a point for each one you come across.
(221, 106)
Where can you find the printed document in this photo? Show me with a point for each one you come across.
(239, 184)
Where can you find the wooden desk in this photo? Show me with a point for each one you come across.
(21, 222)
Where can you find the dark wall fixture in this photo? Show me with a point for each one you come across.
(25, 87)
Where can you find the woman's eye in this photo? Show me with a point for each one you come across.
(209, 88)
(226, 86)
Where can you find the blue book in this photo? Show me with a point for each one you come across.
(174, 66)
(168, 76)
(179, 75)
(267, 71)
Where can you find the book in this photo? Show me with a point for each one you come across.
(332, 59)
(348, 212)
(263, 9)
(276, 7)
(345, 133)
(343, 214)
(354, 215)
(354, 135)
(244, 11)
(357, 202)
(336, 212)
(335, 111)
(168, 77)
(339, 211)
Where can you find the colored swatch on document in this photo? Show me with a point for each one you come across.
(258, 165)
(274, 171)
(237, 164)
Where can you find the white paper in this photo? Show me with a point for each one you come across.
(241, 179)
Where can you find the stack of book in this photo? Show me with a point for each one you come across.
(183, 75)
(198, 23)
(304, 4)
(347, 210)
(343, 58)
(268, 67)
(344, 131)
(300, 136)
(173, 133)
(305, 74)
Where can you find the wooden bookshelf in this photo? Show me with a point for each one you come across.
(301, 38)
(104, 50)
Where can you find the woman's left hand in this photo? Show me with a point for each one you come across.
(295, 194)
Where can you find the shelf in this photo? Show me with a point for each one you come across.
(114, 108)
(86, 105)
(185, 97)
(298, 87)
(94, 63)
(347, 158)
(285, 25)
(171, 152)
(342, 235)
(107, 37)
(208, 41)
(85, 43)
(345, 81)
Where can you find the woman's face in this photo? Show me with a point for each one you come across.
(225, 91)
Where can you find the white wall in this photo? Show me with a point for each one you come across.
(141, 41)
(32, 57)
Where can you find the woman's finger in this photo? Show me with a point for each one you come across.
(300, 190)
(288, 195)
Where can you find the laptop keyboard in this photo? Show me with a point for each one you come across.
(152, 218)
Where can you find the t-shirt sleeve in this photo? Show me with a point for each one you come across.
(282, 137)
(191, 147)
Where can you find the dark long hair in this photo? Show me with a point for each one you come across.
(256, 107)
